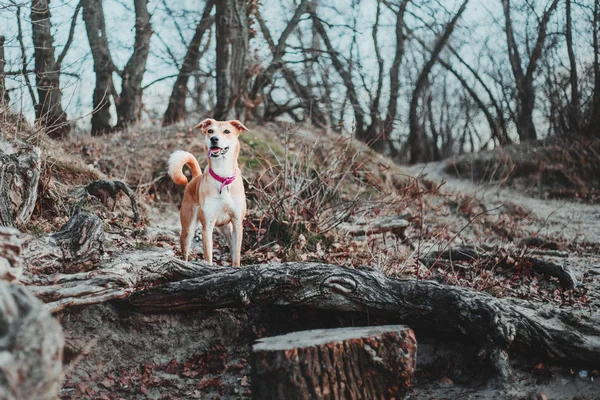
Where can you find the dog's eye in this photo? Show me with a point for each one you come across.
(226, 131)
(210, 131)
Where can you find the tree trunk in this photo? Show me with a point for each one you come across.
(525, 126)
(416, 139)
(574, 106)
(392, 109)
(232, 48)
(176, 110)
(344, 363)
(129, 106)
(19, 177)
(49, 111)
(524, 78)
(31, 342)
(93, 15)
(4, 99)
(593, 128)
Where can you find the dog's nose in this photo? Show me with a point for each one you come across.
(214, 140)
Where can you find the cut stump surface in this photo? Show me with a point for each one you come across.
(346, 363)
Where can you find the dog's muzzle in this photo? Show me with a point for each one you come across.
(216, 152)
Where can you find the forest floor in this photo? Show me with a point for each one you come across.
(310, 196)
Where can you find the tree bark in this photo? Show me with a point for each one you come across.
(129, 106)
(49, 110)
(232, 48)
(31, 344)
(76, 247)
(176, 110)
(4, 99)
(11, 265)
(19, 177)
(416, 139)
(344, 363)
(93, 15)
(524, 78)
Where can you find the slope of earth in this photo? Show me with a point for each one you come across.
(313, 196)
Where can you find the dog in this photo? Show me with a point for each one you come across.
(216, 197)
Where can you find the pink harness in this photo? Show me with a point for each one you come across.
(223, 181)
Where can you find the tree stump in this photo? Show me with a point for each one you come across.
(346, 363)
(19, 177)
(31, 347)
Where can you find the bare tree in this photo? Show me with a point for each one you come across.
(345, 74)
(176, 110)
(93, 15)
(392, 108)
(130, 101)
(574, 104)
(302, 92)
(594, 121)
(416, 139)
(49, 111)
(3, 92)
(524, 77)
(266, 76)
(232, 49)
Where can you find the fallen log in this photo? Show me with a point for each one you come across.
(76, 247)
(113, 280)
(344, 363)
(491, 257)
(394, 225)
(19, 178)
(498, 324)
(31, 347)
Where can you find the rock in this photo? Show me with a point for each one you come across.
(446, 382)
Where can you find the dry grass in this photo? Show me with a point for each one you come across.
(553, 168)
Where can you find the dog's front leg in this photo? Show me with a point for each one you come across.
(236, 242)
(207, 240)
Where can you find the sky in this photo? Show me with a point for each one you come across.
(479, 34)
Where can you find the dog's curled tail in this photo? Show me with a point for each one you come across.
(177, 160)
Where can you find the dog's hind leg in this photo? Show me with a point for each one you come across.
(189, 221)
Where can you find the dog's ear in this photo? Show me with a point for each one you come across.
(238, 125)
(205, 124)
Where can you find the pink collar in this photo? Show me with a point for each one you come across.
(223, 181)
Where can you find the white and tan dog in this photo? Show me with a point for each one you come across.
(216, 197)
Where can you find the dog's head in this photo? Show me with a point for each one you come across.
(220, 136)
